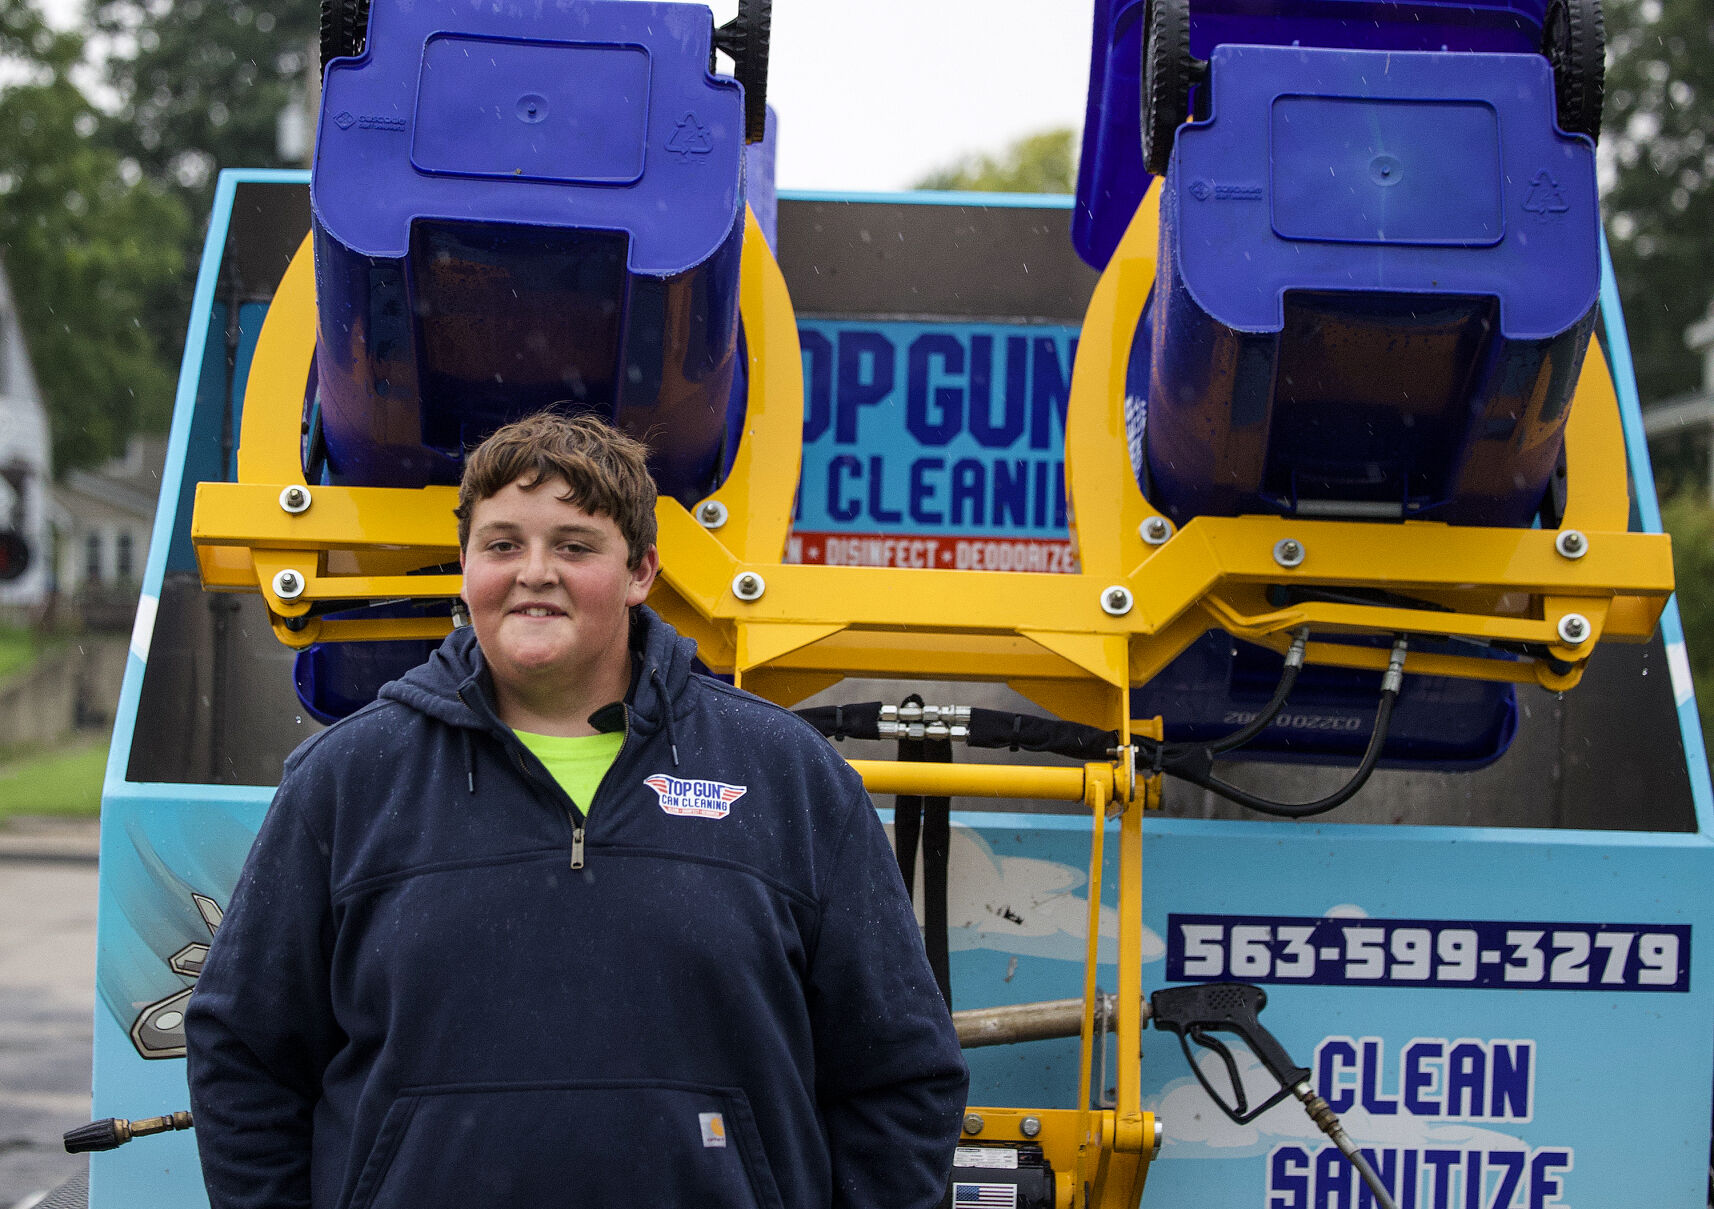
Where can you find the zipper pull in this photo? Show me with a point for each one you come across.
(577, 847)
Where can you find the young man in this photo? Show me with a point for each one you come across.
(559, 921)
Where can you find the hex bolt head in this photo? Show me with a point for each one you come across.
(1571, 543)
(1288, 552)
(1030, 1127)
(748, 585)
(1156, 530)
(288, 584)
(711, 514)
(1574, 629)
(1116, 601)
(295, 499)
(972, 1122)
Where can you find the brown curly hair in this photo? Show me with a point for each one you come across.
(605, 472)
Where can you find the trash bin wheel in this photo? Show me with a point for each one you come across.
(1574, 42)
(745, 39)
(344, 29)
(1168, 73)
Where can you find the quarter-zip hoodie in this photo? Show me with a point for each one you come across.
(441, 982)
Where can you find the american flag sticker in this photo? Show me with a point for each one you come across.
(985, 1196)
(695, 799)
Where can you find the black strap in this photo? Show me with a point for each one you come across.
(929, 818)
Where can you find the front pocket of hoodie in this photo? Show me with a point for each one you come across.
(652, 1143)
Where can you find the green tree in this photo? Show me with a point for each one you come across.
(26, 38)
(202, 83)
(1038, 163)
(91, 248)
(1690, 520)
(1660, 207)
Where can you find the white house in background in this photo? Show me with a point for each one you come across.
(26, 468)
(104, 518)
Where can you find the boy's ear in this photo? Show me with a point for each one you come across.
(643, 576)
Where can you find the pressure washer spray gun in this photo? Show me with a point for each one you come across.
(1196, 1012)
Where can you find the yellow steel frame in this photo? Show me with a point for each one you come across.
(1104, 1150)
(1047, 635)
(813, 625)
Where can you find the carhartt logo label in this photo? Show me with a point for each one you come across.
(713, 1128)
(699, 799)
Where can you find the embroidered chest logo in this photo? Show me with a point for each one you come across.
(698, 799)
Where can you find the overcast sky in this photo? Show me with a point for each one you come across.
(872, 94)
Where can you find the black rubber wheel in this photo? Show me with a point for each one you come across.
(1168, 72)
(1575, 43)
(745, 39)
(344, 29)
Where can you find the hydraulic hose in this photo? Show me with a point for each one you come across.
(1196, 766)
(1252, 728)
(1192, 762)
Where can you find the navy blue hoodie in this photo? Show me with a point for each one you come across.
(414, 1000)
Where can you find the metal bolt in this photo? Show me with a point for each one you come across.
(1571, 543)
(972, 1122)
(1158, 1133)
(288, 585)
(1116, 600)
(1030, 1126)
(1155, 530)
(1288, 552)
(711, 514)
(295, 499)
(748, 586)
(1574, 629)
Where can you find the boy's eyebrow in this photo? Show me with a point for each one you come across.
(576, 528)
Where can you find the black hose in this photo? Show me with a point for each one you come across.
(1168, 752)
(1024, 732)
(1186, 761)
(845, 721)
(992, 728)
(1196, 767)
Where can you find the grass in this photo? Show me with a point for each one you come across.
(60, 781)
(18, 649)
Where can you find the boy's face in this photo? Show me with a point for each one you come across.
(549, 593)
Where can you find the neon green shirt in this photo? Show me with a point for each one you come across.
(577, 762)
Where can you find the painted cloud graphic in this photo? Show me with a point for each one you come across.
(1022, 905)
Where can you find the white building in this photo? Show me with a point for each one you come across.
(105, 517)
(26, 469)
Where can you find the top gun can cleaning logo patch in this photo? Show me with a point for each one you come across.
(698, 799)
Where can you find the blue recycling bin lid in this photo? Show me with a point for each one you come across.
(601, 115)
(1410, 173)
